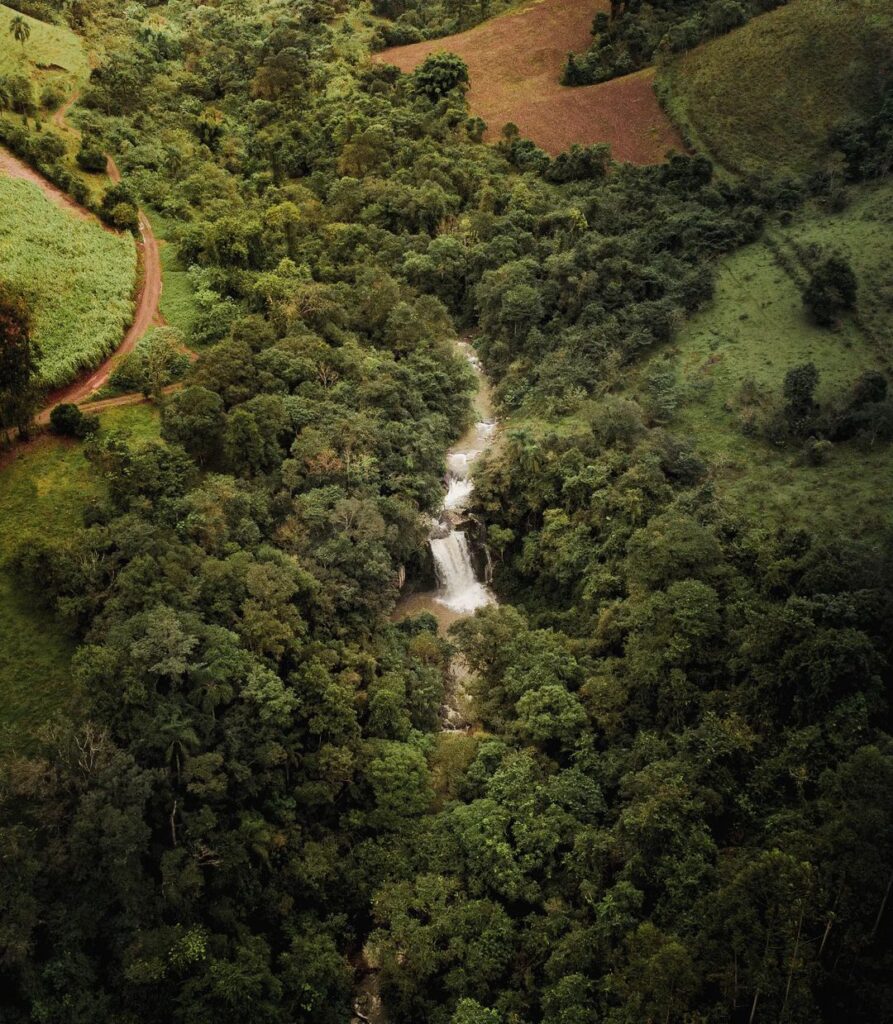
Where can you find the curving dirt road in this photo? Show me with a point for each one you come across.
(18, 170)
(148, 297)
(145, 314)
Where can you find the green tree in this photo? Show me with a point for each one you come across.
(20, 390)
(832, 289)
(800, 383)
(20, 30)
(439, 74)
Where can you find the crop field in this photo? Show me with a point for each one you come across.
(755, 330)
(768, 94)
(43, 491)
(515, 63)
(78, 279)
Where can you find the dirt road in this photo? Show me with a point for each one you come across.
(146, 313)
(18, 170)
(148, 297)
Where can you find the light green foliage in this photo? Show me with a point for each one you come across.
(767, 95)
(76, 276)
(179, 306)
(42, 494)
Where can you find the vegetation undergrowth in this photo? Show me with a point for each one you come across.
(727, 366)
(767, 95)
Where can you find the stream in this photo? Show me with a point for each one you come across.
(460, 591)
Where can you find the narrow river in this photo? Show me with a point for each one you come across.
(459, 593)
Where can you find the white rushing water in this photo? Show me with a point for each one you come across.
(460, 589)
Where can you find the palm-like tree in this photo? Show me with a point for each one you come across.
(20, 30)
(177, 737)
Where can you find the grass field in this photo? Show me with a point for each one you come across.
(42, 494)
(767, 95)
(178, 306)
(51, 53)
(515, 63)
(78, 279)
(755, 329)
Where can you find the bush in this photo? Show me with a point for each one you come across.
(831, 290)
(91, 158)
(439, 74)
(67, 420)
(800, 383)
(52, 97)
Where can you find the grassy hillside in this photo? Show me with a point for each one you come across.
(78, 279)
(51, 52)
(752, 333)
(43, 492)
(766, 95)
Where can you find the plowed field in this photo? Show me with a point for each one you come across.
(515, 64)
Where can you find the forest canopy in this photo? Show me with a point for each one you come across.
(674, 802)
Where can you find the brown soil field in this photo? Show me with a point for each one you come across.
(515, 63)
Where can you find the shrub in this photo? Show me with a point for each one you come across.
(439, 74)
(52, 97)
(831, 289)
(91, 158)
(67, 420)
(800, 383)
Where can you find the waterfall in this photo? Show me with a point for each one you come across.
(460, 590)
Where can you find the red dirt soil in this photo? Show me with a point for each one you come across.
(515, 63)
(17, 170)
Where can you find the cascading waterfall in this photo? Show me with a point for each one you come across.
(459, 589)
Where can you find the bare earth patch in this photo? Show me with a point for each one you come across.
(515, 64)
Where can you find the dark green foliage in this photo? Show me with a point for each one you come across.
(440, 74)
(831, 290)
(67, 420)
(119, 208)
(19, 385)
(90, 157)
(867, 145)
(17, 95)
(800, 383)
(675, 808)
(636, 34)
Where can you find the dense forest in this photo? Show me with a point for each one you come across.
(675, 804)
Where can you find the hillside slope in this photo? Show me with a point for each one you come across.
(515, 64)
(768, 94)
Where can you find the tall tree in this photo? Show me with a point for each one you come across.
(19, 354)
(20, 30)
